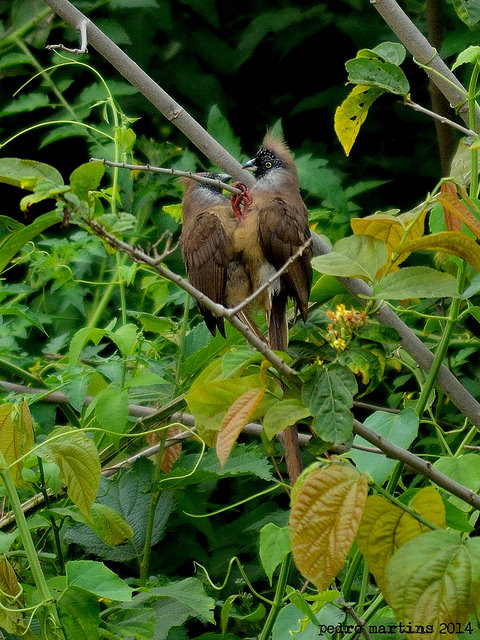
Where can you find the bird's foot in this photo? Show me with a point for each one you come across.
(241, 200)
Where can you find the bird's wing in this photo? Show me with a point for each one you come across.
(282, 230)
(207, 251)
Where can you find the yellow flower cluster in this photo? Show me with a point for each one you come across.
(343, 325)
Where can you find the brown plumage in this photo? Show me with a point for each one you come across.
(207, 249)
(273, 228)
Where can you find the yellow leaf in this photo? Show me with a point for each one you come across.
(452, 242)
(237, 417)
(391, 229)
(16, 435)
(351, 114)
(8, 579)
(385, 528)
(325, 515)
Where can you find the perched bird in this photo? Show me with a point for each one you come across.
(274, 225)
(209, 224)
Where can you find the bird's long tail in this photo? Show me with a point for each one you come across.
(278, 339)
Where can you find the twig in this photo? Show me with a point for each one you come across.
(83, 40)
(442, 119)
(348, 609)
(173, 172)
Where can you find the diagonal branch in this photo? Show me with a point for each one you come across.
(138, 255)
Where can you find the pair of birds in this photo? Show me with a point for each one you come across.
(229, 253)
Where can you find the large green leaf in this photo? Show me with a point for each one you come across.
(22, 236)
(416, 282)
(79, 614)
(434, 580)
(274, 547)
(191, 593)
(465, 470)
(353, 257)
(77, 458)
(97, 579)
(329, 395)
(26, 173)
(401, 429)
(128, 496)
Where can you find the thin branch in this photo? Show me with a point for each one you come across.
(138, 255)
(173, 172)
(436, 116)
(417, 464)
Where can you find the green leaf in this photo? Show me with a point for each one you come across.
(86, 178)
(378, 73)
(209, 402)
(111, 411)
(391, 51)
(109, 525)
(20, 173)
(125, 337)
(244, 460)
(401, 429)
(191, 593)
(77, 458)
(135, 622)
(80, 338)
(355, 256)
(416, 282)
(468, 11)
(25, 103)
(470, 54)
(79, 614)
(465, 470)
(329, 395)
(128, 496)
(98, 579)
(16, 435)
(282, 414)
(434, 579)
(219, 127)
(274, 547)
(20, 238)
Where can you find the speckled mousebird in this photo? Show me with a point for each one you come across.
(209, 224)
(273, 227)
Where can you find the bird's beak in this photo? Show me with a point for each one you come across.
(250, 164)
(224, 177)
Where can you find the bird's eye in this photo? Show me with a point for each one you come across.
(268, 165)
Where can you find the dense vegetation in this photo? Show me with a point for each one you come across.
(102, 355)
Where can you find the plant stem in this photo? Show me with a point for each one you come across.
(155, 497)
(278, 599)
(51, 627)
(46, 497)
(351, 573)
